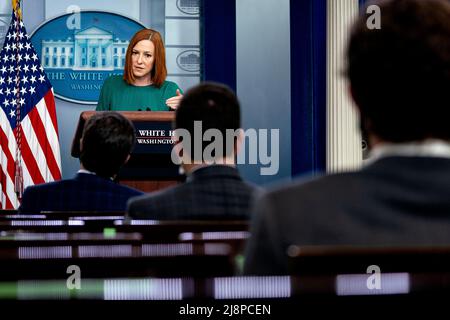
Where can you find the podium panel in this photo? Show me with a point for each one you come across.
(150, 166)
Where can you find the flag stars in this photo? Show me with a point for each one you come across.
(20, 69)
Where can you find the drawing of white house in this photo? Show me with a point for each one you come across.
(190, 59)
(91, 49)
(190, 3)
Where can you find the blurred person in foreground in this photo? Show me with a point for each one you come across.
(214, 188)
(105, 146)
(400, 82)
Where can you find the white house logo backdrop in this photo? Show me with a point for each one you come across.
(189, 6)
(77, 61)
(182, 39)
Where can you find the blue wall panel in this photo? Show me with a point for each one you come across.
(219, 51)
(308, 85)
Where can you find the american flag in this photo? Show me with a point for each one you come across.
(29, 144)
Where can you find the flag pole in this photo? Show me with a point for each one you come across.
(16, 7)
(18, 179)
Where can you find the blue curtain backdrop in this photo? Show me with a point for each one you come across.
(308, 21)
(308, 85)
(218, 36)
(308, 71)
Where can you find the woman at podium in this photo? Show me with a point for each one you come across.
(143, 85)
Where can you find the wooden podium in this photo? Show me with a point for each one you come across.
(150, 166)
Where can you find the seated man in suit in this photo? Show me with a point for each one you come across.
(400, 81)
(214, 190)
(105, 146)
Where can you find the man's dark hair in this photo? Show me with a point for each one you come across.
(400, 74)
(108, 138)
(215, 105)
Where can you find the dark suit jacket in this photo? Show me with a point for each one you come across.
(85, 192)
(212, 192)
(394, 201)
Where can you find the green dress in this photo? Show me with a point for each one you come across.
(117, 95)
